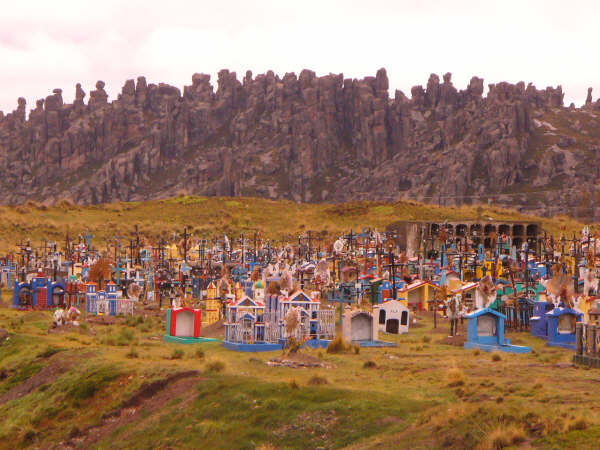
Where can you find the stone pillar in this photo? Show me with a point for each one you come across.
(346, 323)
(375, 332)
(579, 338)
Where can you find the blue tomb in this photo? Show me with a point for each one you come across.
(561, 327)
(486, 332)
(539, 321)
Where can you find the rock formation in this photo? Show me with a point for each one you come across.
(306, 138)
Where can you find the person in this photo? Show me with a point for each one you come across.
(453, 313)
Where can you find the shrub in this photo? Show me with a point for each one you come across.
(356, 349)
(177, 353)
(476, 352)
(317, 380)
(426, 339)
(294, 384)
(496, 357)
(293, 345)
(338, 345)
(215, 366)
(132, 353)
(369, 365)
(199, 353)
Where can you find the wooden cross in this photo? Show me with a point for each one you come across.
(393, 266)
(350, 237)
(185, 240)
(88, 237)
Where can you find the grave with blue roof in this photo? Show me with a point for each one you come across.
(486, 332)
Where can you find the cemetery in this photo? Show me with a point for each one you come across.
(339, 305)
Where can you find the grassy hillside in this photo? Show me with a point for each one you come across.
(119, 385)
(211, 216)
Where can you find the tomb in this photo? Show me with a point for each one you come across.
(251, 325)
(561, 327)
(539, 320)
(183, 326)
(39, 293)
(419, 294)
(106, 302)
(362, 327)
(393, 317)
(246, 329)
(486, 332)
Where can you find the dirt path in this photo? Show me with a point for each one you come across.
(149, 399)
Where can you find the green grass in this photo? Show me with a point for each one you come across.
(212, 216)
(420, 394)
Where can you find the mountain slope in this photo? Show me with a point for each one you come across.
(306, 138)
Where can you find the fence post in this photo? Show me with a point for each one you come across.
(579, 338)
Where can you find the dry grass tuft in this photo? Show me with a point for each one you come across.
(338, 345)
(577, 423)
(215, 366)
(456, 377)
(503, 436)
(317, 380)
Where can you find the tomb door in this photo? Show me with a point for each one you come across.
(486, 325)
(566, 324)
(247, 334)
(392, 326)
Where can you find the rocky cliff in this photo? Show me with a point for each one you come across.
(307, 138)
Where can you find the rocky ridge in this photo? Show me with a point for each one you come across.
(307, 138)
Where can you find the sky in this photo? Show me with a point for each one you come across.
(46, 45)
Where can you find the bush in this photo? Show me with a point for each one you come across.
(132, 353)
(369, 365)
(177, 353)
(199, 353)
(316, 380)
(293, 345)
(338, 345)
(215, 366)
(294, 384)
(356, 349)
(476, 352)
(496, 357)
(426, 339)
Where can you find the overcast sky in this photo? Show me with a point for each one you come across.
(46, 45)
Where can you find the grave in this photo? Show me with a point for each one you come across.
(362, 328)
(562, 327)
(183, 326)
(539, 320)
(486, 332)
(248, 330)
(393, 318)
